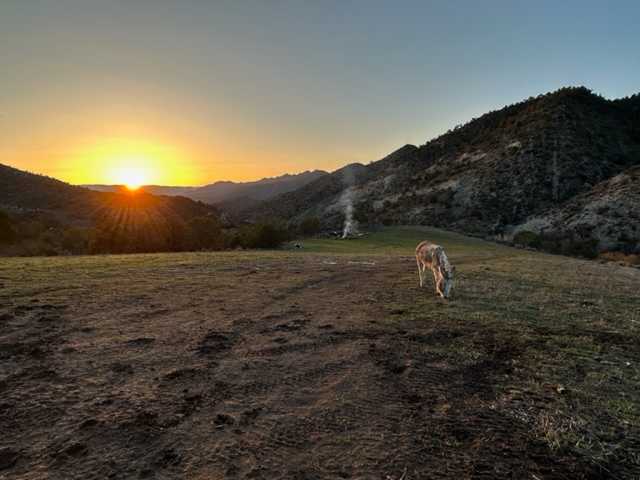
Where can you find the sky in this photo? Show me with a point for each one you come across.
(189, 92)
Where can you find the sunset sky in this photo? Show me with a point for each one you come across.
(188, 92)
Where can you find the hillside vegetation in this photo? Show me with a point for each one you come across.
(325, 362)
(44, 216)
(543, 165)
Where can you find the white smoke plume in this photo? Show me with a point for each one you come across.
(350, 228)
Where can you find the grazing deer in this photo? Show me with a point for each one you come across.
(429, 255)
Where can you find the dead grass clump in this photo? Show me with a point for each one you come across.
(621, 258)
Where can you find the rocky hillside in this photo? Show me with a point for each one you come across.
(537, 163)
(235, 194)
(608, 212)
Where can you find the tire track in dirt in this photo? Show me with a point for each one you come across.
(385, 407)
(215, 348)
(287, 379)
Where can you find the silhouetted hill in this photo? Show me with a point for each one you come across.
(46, 213)
(237, 194)
(24, 191)
(492, 175)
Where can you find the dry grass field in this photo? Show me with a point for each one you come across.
(323, 363)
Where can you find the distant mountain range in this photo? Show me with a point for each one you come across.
(563, 165)
(236, 194)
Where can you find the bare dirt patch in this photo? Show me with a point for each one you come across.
(303, 370)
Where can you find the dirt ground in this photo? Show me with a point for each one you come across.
(281, 366)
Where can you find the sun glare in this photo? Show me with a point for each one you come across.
(131, 177)
(135, 170)
(132, 163)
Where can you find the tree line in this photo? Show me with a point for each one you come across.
(39, 234)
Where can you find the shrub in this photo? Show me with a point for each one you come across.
(387, 221)
(7, 232)
(262, 235)
(565, 243)
(309, 226)
(628, 244)
(587, 248)
(31, 229)
(139, 234)
(75, 240)
(36, 248)
(205, 233)
(526, 238)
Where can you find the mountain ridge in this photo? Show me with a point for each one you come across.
(227, 191)
(489, 176)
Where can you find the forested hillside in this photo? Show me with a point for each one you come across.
(46, 216)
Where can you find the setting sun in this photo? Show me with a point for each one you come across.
(132, 163)
(132, 177)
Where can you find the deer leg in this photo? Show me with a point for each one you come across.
(436, 279)
(424, 273)
(419, 271)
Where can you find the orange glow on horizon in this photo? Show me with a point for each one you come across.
(132, 163)
(137, 159)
